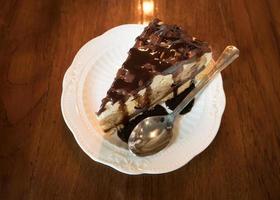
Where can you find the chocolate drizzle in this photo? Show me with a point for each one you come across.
(123, 109)
(148, 92)
(176, 100)
(156, 51)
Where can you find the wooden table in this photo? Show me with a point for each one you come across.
(39, 158)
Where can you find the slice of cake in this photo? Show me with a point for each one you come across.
(162, 63)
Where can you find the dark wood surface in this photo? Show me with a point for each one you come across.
(39, 158)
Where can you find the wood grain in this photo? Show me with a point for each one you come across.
(39, 158)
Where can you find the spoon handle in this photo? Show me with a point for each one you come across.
(227, 57)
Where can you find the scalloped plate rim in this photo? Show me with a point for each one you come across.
(70, 125)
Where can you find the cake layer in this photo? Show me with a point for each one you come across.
(160, 90)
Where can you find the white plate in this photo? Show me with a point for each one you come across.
(86, 82)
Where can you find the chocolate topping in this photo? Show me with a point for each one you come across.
(176, 100)
(159, 47)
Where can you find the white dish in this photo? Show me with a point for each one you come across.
(86, 82)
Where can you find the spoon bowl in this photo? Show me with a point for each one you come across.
(152, 134)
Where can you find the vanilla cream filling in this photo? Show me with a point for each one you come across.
(112, 116)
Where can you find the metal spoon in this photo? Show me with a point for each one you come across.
(154, 133)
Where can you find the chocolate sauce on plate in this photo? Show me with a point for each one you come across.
(125, 132)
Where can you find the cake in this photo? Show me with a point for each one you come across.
(163, 62)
